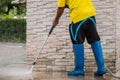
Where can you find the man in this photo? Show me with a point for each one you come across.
(82, 24)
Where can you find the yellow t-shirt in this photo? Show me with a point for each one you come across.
(79, 9)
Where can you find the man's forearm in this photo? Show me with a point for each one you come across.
(60, 11)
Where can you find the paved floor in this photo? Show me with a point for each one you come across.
(12, 60)
(13, 66)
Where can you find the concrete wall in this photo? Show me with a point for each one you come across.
(57, 54)
(118, 37)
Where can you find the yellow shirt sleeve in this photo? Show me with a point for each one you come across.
(61, 3)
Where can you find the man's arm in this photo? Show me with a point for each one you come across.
(60, 11)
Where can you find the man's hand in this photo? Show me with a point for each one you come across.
(58, 15)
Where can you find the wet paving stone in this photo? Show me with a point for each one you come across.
(49, 76)
(63, 76)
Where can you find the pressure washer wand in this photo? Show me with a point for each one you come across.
(34, 63)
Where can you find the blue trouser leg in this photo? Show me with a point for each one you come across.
(97, 50)
(79, 60)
